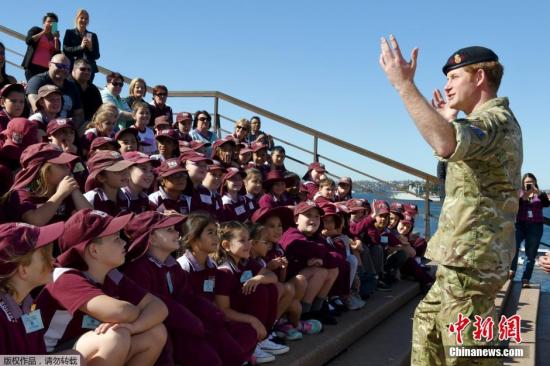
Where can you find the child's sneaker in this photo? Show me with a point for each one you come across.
(260, 356)
(311, 326)
(272, 347)
(354, 303)
(288, 332)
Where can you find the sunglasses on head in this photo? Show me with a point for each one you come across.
(62, 66)
(119, 84)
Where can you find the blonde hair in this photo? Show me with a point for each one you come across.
(133, 84)
(39, 186)
(24, 260)
(80, 12)
(244, 122)
(104, 111)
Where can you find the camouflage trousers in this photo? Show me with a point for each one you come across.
(456, 290)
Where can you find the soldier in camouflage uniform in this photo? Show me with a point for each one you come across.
(474, 243)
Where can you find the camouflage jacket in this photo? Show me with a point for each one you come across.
(476, 224)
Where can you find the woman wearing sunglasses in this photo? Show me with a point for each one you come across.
(201, 130)
(111, 94)
(42, 44)
(158, 105)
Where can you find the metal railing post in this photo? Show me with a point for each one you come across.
(315, 143)
(427, 230)
(217, 118)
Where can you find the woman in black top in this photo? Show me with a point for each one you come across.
(42, 44)
(81, 43)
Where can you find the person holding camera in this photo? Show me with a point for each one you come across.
(81, 43)
(529, 225)
(42, 44)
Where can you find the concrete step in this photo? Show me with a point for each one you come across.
(321, 348)
(389, 343)
(527, 308)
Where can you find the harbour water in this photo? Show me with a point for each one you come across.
(539, 276)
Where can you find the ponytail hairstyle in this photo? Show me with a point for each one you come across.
(193, 227)
(227, 231)
(256, 231)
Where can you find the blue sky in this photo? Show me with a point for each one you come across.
(316, 62)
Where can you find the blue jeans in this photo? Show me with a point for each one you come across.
(531, 233)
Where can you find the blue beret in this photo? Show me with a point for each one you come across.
(469, 56)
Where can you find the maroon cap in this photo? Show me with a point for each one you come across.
(407, 218)
(245, 148)
(101, 141)
(131, 130)
(357, 204)
(304, 207)
(142, 225)
(162, 120)
(380, 207)
(330, 209)
(220, 142)
(83, 227)
(231, 172)
(256, 146)
(168, 133)
(196, 144)
(318, 167)
(48, 89)
(195, 157)
(101, 160)
(169, 167)
(8, 88)
(183, 116)
(216, 165)
(283, 212)
(397, 208)
(20, 132)
(411, 209)
(138, 157)
(273, 177)
(18, 239)
(59, 123)
(32, 159)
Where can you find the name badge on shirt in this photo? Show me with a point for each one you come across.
(246, 276)
(89, 322)
(208, 285)
(169, 282)
(239, 210)
(32, 321)
(530, 214)
(206, 198)
(251, 205)
(383, 240)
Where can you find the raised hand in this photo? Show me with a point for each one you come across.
(398, 71)
(442, 107)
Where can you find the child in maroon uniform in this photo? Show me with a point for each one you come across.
(253, 186)
(108, 175)
(201, 240)
(102, 125)
(167, 144)
(223, 151)
(183, 125)
(275, 195)
(308, 255)
(44, 191)
(197, 168)
(259, 158)
(235, 205)
(12, 103)
(344, 189)
(92, 307)
(25, 263)
(196, 326)
(173, 181)
(213, 181)
(275, 221)
(141, 179)
(245, 291)
(325, 195)
(127, 139)
(315, 172)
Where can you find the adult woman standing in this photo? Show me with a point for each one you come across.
(4, 78)
(81, 43)
(529, 224)
(42, 44)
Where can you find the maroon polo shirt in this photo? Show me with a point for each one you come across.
(202, 199)
(311, 188)
(61, 300)
(269, 200)
(201, 279)
(239, 210)
(161, 202)
(15, 339)
(21, 200)
(138, 203)
(99, 200)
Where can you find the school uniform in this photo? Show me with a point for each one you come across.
(22, 327)
(239, 210)
(202, 280)
(322, 201)
(300, 248)
(202, 199)
(269, 200)
(275, 252)
(138, 203)
(99, 200)
(60, 301)
(161, 202)
(311, 188)
(253, 201)
(195, 324)
(21, 200)
(261, 304)
(337, 250)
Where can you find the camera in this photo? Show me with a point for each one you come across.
(529, 186)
